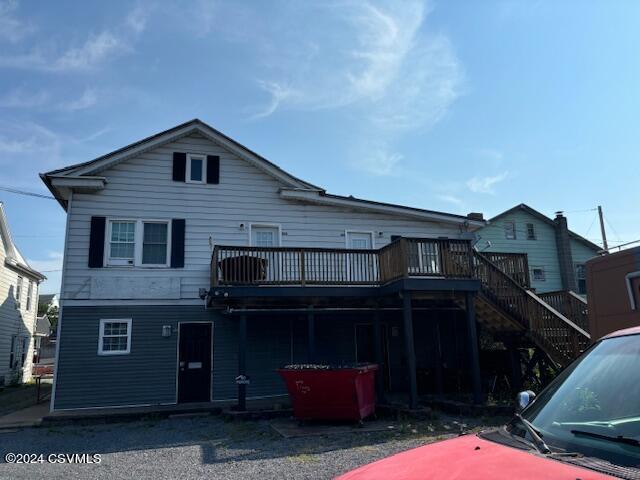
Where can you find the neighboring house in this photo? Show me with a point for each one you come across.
(42, 348)
(19, 297)
(556, 255)
(614, 291)
(50, 299)
(194, 268)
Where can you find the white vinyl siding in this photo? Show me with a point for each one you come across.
(114, 337)
(142, 188)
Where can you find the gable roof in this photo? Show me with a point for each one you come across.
(86, 175)
(13, 256)
(534, 213)
(92, 168)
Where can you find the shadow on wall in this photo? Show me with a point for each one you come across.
(17, 341)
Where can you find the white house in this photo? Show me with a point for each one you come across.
(18, 309)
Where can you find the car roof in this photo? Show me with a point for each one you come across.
(623, 333)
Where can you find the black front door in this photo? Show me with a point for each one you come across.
(194, 363)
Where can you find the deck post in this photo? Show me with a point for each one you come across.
(474, 354)
(242, 363)
(377, 340)
(439, 373)
(409, 348)
(516, 367)
(311, 330)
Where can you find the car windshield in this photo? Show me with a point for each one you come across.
(593, 407)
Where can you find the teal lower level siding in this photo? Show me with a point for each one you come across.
(147, 375)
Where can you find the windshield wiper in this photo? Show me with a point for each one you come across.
(610, 438)
(540, 445)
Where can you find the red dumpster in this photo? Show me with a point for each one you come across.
(319, 392)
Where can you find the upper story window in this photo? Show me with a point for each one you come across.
(19, 291)
(122, 242)
(114, 337)
(581, 278)
(138, 243)
(531, 231)
(538, 274)
(510, 230)
(196, 169)
(29, 295)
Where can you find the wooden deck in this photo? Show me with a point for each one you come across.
(286, 266)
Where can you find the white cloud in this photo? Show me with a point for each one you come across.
(278, 93)
(379, 62)
(21, 98)
(26, 138)
(93, 52)
(88, 99)
(96, 50)
(451, 199)
(12, 28)
(137, 19)
(485, 184)
(377, 160)
(53, 261)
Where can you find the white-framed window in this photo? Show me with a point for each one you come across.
(29, 295)
(531, 231)
(122, 242)
(115, 336)
(142, 243)
(196, 169)
(510, 230)
(19, 292)
(581, 278)
(538, 274)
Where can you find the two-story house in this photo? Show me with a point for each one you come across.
(556, 256)
(18, 309)
(194, 268)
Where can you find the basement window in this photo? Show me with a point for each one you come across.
(538, 274)
(115, 337)
(510, 230)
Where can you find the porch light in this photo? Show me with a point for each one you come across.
(166, 330)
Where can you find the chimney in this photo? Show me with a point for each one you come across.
(563, 247)
(475, 216)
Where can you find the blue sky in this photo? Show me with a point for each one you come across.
(456, 106)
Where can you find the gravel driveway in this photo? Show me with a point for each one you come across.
(210, 447)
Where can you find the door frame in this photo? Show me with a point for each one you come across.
(178, 360)
(277, 226)
(366, 232)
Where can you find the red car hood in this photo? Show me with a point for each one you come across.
(469, 457)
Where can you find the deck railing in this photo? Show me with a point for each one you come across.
(516, 265)
(558, 334)
(569, 304)
(405, 257)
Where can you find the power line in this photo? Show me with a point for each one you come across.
(25, 192)
(611, 227)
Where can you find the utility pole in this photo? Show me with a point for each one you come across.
(604, 234)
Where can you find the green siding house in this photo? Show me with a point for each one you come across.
(556, 255)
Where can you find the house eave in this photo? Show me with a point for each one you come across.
(322, 198)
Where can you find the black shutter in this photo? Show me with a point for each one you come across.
(213, 169)
(179, 166)
(177, 243)
(96, 242)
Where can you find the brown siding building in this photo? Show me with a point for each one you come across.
(613, 285)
